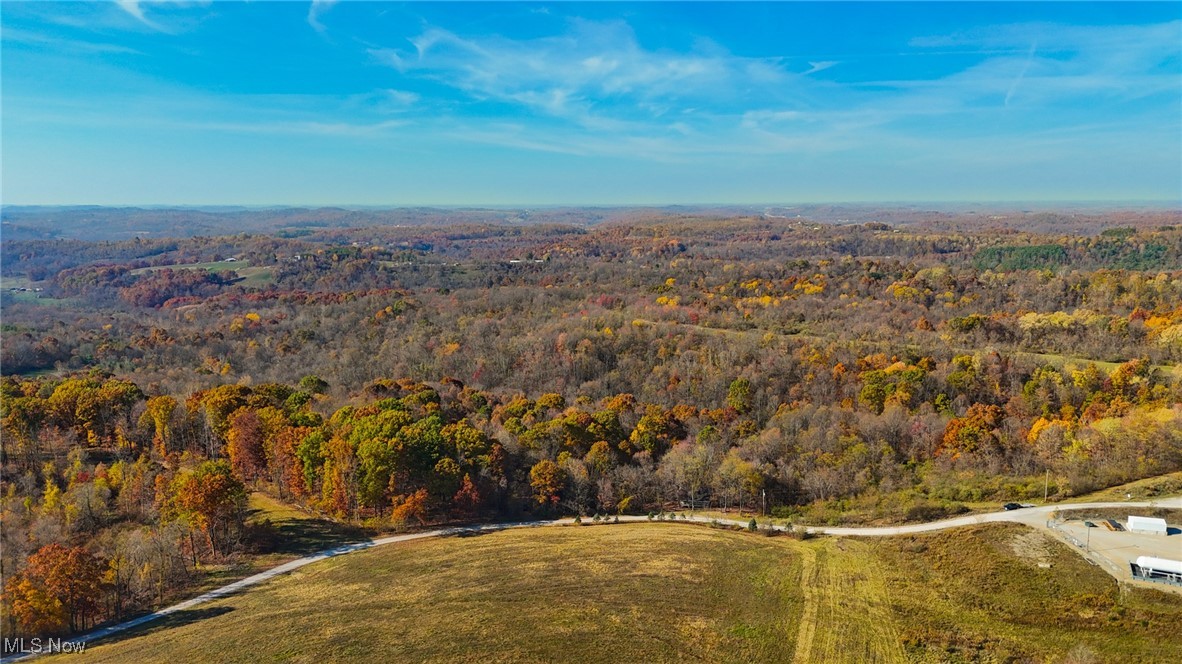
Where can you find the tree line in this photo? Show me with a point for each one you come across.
(114, 497)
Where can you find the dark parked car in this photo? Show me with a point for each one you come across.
(1012, 506)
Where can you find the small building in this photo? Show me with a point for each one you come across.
(1150, 525)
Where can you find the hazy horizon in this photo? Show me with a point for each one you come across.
(949, 204)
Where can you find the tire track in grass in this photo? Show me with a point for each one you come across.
(808, 617)
(847, 613)
(839, 629)
(888, 647)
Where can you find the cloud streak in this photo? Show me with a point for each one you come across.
(820, 66)
(12, 35)
(317, 9)
(1021, 75)
(603, 96)
(598, 79)
(136, 11)
(595, 72)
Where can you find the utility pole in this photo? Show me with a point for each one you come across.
(763, 492)
(1046, 485)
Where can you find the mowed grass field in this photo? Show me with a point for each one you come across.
(661, 592)
(251, 275)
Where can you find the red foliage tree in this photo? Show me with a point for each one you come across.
(60, 588)
(245, 444)
(467, 499)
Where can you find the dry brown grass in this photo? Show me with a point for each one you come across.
(661, 592)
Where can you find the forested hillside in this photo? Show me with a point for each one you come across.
(393, 376)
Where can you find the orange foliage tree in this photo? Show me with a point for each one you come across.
(212, 499)
(546, 478)
(60, 588)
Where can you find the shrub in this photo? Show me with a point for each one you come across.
(930, 511)
(785, 511)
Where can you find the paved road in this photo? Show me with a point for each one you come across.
(1031, 516)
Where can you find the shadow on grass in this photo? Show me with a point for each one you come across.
(479, 530)
(469, 533)
(174, 619)
(302, 537)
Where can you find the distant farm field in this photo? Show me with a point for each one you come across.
(251, 276)
(671, 592)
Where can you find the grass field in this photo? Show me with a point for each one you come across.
(676, 592)
(30, 296)
(212, 266)
(251, 276)
(1077, 363)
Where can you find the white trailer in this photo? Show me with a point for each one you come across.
(1150, 525)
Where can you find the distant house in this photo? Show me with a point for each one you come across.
(1150, 525)
(231, 260)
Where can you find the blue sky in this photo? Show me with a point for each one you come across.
(604, 103)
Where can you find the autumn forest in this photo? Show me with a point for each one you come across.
(474, 366)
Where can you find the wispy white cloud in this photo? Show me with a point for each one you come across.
(133, 7)
(136, 9)
(380, 102)
(1022, 74)
(1071, 62)
(400, 97)
(353, 116)
(595, 90)
(308, 127)
(316, 10)
(820, 66)
(166, 16)
(12, 35)
(593, 72)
